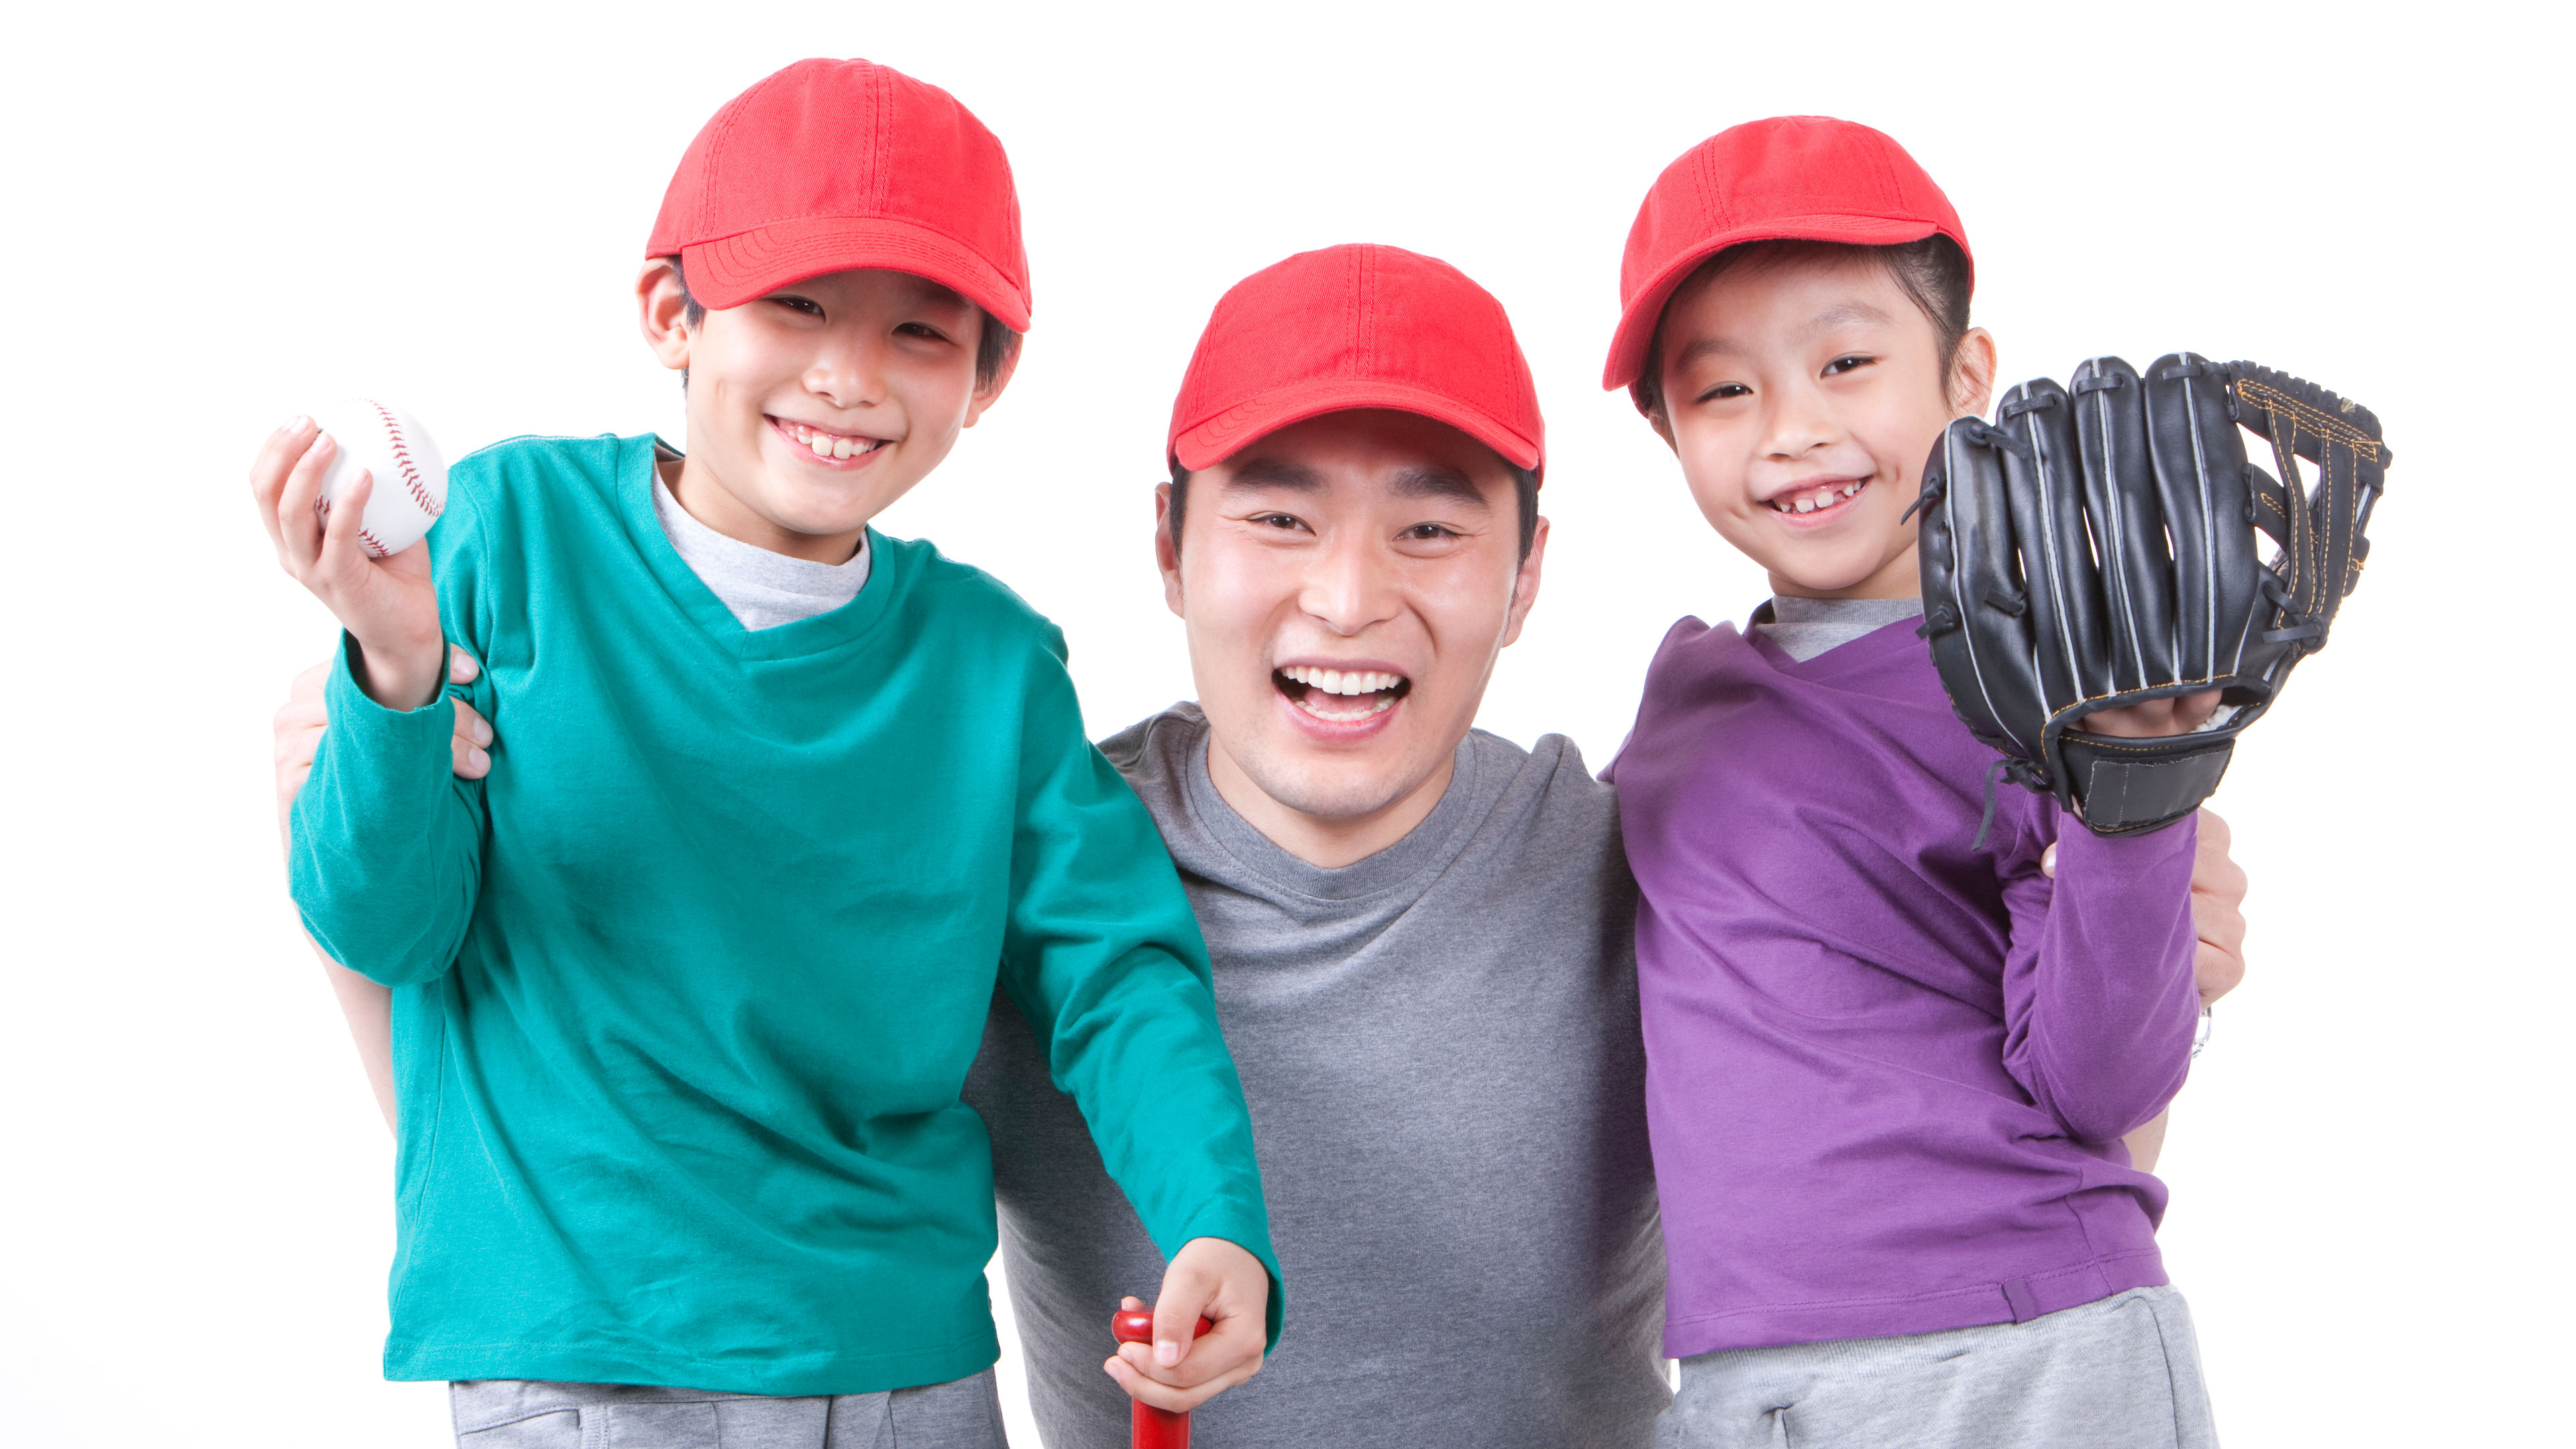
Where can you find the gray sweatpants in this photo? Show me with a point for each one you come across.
(2123, 1373)
(531, 1414)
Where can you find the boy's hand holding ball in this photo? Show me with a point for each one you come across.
(346, 501)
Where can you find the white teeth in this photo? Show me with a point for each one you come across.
(1312, 704)
(826, 445)
(1821, 498)
(1343, 681)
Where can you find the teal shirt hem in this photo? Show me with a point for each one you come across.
(788, 1376)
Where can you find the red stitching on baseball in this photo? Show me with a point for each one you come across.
(402, 460)
(374, 545)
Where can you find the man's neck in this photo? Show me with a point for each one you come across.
(1326, 842)
(704, 497)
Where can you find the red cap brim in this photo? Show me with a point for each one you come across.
(1229, 432)
(730, 271)
(1638, 318)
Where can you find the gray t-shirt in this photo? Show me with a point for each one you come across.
(1440, 1048)
(1805, 628)
(763, 589)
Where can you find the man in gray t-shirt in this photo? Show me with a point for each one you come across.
(1439, 1045)
(1422, 935)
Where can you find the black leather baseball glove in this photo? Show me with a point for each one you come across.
(2094, 548)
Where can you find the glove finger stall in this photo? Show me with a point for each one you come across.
(1977, 613)
(2126, 520)
(2045, 480)
(2202, 484)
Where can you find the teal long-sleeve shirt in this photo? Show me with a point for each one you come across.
(685, 990)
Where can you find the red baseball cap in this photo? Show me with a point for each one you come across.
(1356, 326)
(1804, 178)
(831, 165)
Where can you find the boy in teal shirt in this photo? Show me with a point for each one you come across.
(685, 988)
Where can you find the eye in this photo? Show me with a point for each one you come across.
(1846, 363)
(1424, 531)
(1278, 520)
(805, 305)
(922, 329)
(1725, 391)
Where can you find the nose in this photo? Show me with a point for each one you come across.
(1799, 422)
(849, 371)
(1350, 585)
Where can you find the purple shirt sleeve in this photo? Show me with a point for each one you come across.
(2099, 999)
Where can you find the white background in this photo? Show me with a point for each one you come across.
(218, 217)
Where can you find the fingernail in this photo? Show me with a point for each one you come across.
(482, 732)
(296, 424)
(480, 760)
(1167, 1353)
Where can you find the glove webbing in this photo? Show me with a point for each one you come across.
(2320, 571)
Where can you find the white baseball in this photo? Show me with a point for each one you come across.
(411, 479)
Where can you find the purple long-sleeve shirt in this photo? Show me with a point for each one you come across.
(1887, 1073)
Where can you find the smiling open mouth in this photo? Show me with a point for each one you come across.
(827, 444)
(1340, 696)
(1822, 498)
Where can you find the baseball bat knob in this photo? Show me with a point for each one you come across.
(1152, 1428)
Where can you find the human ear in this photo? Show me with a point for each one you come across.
(1167, 554)
(987, 393)
(1525, 584)
(1972, 374)
(662, 304)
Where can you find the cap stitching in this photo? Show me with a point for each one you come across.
(1369, 288)
(961, 243)
(1483, 414)
(972, 248)
(879, 97)
(1351, 313)
(1704, 181)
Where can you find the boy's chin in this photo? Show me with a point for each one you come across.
(801, 507)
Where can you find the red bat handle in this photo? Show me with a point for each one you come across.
(1154, 1428)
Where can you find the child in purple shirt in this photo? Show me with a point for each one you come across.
(1890, 1065)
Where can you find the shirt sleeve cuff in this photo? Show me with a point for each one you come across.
(349, 702)
(2078, 848)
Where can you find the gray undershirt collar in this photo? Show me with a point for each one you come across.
(1805, 628)
(762, 589)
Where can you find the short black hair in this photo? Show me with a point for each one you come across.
(1933, 271)
(995, 344)
(1524, 487)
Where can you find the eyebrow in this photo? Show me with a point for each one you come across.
(1422, 480)
(1275, 473)
(1845, 315)
(1436, 482)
